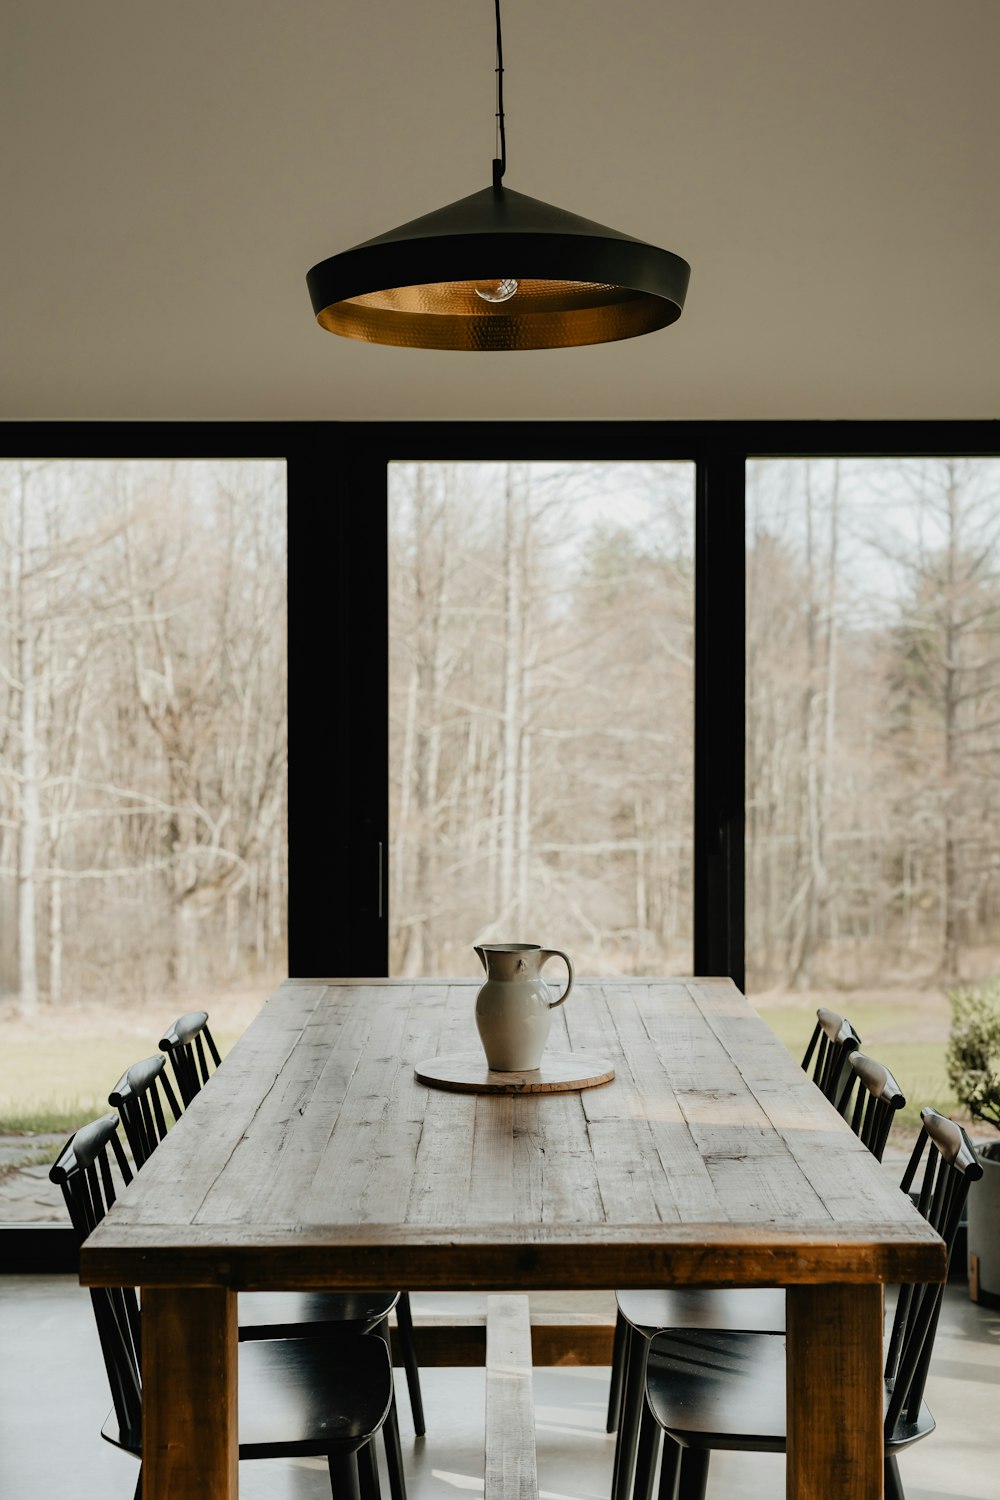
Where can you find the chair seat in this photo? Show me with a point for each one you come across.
(736, 1309)
(727, 1390)
(302, 1397)
(278, 1315)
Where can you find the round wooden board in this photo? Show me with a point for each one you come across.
(467, 1073)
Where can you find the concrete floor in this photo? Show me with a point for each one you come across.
(54, 1396)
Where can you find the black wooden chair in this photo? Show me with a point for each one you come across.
(292, 1393)
(262, 1315)
(727, 1390)
(869, 1100)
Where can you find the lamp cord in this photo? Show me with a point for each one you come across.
(499, 163)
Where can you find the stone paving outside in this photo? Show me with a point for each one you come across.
(26, 1194)
(68, 1059)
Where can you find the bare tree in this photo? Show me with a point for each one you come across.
(946, 678)
(142, 720)
(550, 653)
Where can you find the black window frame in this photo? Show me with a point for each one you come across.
(337, 476)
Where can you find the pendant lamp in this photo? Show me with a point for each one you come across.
(498, 270)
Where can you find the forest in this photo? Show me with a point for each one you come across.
(542, 682)
(143, 748)
(541, 679)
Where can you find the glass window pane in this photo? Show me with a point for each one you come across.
(541, 691)
(142, 775)
(873, 746)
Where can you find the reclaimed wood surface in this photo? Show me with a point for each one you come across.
(558, 1073)
(453, 1341)
(314, 1157)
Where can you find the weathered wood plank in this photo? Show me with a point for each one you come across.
(398, 1138)
(555, 1173)
(510, 1470)
(555, 1340)
(442, 1167)
(648, 1124)
(344, 1181)
(270, 1172)
(826, 1153)
(175, 1181)
(487, 1257)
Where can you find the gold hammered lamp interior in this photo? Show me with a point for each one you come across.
(450, 315)
(498, 270)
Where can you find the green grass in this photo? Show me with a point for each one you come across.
(886, 1030)
(57, 1085)
(52, 1086)
(57, 1119)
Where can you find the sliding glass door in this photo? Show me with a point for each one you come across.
(873, 746)
(143, 846)
(541, 690)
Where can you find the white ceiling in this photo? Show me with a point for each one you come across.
(170, 172)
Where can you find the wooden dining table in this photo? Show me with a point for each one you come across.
(314, 1159)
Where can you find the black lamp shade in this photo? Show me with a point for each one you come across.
(577, 282)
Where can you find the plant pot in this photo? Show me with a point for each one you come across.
(984, 1228)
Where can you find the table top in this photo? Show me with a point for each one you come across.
(314, 1157)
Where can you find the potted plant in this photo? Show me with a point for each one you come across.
(973, 1062)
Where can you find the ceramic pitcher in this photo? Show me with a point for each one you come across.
(514, 1007)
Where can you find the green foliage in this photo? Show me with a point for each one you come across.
(973, 1056)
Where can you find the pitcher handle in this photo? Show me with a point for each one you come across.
(545, 955)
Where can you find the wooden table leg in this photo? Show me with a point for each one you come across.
(189, 1355)
(834, 1362)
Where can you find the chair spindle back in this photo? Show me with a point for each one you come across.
(876, 1098)
(949, 1170)
(85, 1169)
(185, 1044)
(832, 1042)
(139, 1097)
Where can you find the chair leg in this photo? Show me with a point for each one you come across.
(633, 1401)
(138, 1486)
(694, 1474)
(404, 1326)
(368, 1472)
(344, 1479)
(617, 1373)
(670, 1468)
(893, 1483)
(645, 1460)
(394, 1453)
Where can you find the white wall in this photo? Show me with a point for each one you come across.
(171, 171)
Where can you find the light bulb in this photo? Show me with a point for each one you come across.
(497, 291)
